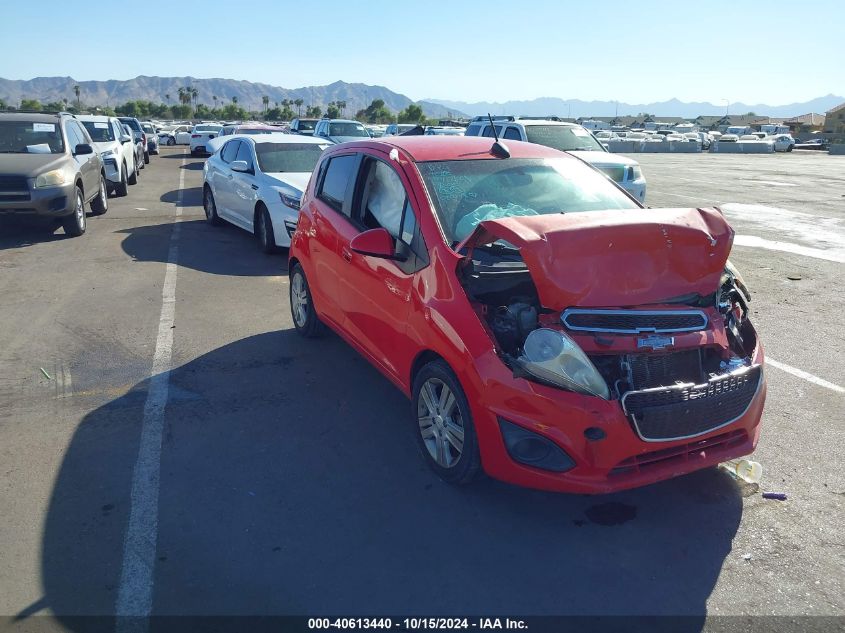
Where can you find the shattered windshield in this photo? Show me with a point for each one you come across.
(466, 192)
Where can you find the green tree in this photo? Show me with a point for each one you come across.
(54, 106)
(412, 114)
(265, 101)
(333, 111)
(76, 91)
(2, 104)
(376, 112)
(30, 104)
(234, 101)
(313, 112)
(341, 105)
(298, 103)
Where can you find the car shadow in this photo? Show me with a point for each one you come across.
(193, 166)
(191, 197)
(21, 232)
(290, 484)
(218, 250)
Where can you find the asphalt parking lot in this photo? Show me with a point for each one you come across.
(289, 480)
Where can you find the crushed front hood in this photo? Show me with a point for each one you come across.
(616, 258)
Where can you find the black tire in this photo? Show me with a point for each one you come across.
(132, 179)
(122, 188)
(443, 427)
(75, 223)
(210, 208)
(139, 161)
(264, 230)
(789, 148)
(146, 158)
(100, 202)
(171, 140)
(307, 323)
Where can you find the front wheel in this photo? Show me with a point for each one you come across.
(100, 203)
(210, 207)
(146, 158)
(133, 177)
(445, 432)
(264, 231)
(75, 223)
(122, 188)
(171, 140)
(305, 319)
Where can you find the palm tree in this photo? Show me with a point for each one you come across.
(167, 96)
(194, 95)
(234, 100)
(341, 105)
(215, 101)
(265, 100)
(76, 92)
(298, 103)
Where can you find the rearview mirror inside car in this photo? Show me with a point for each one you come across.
(375, 243)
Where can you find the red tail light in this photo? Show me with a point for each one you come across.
(195, 135)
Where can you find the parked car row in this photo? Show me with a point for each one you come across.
(54, 164)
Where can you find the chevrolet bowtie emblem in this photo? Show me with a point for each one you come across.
(655, 342)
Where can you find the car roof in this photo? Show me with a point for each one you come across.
(281, 137)
(430, 148)
(29, 116)
(93, 117)
(339, 121)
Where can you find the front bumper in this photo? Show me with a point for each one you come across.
(284, 222)
(620, 460)
(112, 170)
(50, 202)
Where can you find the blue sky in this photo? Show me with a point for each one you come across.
(637, 52)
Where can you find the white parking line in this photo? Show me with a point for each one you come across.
(800, 373)
(135, 592)
(788, 247)
(774, 183)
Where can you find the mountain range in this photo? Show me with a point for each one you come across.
(357, 96)
(576, 108)
(113, 92)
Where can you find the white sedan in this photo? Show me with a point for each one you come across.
(201, 135)
(783, 142)
(256, 181)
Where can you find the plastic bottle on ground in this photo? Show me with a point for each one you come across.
(744, 469)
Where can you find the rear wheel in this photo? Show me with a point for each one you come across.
(305, 319)
(171, 140)
(264, 230)
(75, 223)
(445, 432)
(210, 207)
(100, 203)
(146, 158)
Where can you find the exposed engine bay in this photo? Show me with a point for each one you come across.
(527, 335)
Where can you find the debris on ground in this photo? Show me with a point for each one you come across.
(46, 375)
(780, 496)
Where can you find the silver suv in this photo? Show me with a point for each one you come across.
(567, 137)
(49, 170)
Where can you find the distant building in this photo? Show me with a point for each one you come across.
(806, 122)
(834, 120)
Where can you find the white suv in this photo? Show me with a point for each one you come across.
(567, 137)
(115, 147)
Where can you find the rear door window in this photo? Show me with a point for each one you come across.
(512, 134)
(339, 172)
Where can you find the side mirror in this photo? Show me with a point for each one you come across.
(375, 243)
(240, 165)
(82, 149)
(124, 139)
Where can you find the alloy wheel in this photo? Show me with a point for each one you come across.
(79, 212)
(299, 300)
(440, 422)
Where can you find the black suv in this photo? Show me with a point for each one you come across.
(49, 169)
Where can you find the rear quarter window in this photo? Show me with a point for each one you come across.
(339, 171)
(473, 129)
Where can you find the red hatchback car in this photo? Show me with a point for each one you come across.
(546, 326)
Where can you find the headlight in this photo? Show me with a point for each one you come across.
(55, 178)
(289, 200)
(553, 357)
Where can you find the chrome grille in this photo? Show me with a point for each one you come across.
(634, 321)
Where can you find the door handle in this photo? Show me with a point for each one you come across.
(254, 187)
(346, 254)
